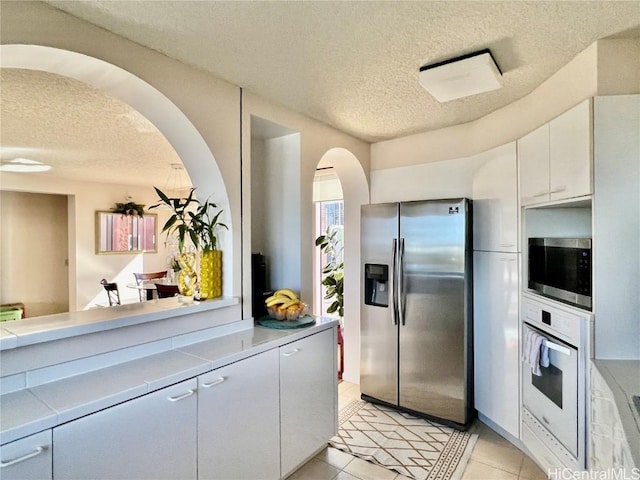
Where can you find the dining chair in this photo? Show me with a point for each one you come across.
(141, 278)
(165, 291)
(112, 292)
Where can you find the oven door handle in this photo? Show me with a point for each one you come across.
(557, 348)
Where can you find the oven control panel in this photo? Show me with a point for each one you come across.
(564, 325)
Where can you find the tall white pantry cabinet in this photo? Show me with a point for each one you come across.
(496, 288)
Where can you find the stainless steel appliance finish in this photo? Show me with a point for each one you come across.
(416, 353)
(560, 268)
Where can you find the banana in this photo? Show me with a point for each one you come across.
(287, 292)
(290, 302)
(273, 300)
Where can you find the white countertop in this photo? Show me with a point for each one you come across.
(623, 378)
(34, 409)
(29, 331)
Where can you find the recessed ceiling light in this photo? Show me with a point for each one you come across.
(24, 165)
(461, 76)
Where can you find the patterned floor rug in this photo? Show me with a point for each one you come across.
(409, 445)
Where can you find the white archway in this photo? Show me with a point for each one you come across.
(150, 102)
(355, 190)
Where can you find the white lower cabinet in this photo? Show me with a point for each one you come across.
(239, 420)
(27, 459)
(151, 437)
(496, 338)
(258, 418)
(308, 393)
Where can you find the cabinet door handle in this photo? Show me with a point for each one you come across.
(35, 453)
(292, 352)
(508, 260)
(559, 189)
(214, 383)
(540, 194)
(181, 397)
(507, 245)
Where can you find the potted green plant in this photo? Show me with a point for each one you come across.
(198, 222)
(129, 208)
(184, 224)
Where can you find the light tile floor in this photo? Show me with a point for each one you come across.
(493, 458)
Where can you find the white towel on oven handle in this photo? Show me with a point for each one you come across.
(532, 351)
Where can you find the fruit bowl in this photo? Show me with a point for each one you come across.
(285, 304)
(290, 313)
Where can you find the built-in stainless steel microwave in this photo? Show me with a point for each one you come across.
(560, 268)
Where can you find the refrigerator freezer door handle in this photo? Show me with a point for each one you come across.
(394, 280)
(400, 287)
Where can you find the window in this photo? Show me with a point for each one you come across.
(327, 195)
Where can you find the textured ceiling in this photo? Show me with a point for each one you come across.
(352, 65)
(81, 132)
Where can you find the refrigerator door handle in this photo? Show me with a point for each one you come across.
(400, 288)
(394, 279)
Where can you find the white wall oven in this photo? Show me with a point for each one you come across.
(553, 403)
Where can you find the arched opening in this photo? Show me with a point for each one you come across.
(154, 106)
(355, 192)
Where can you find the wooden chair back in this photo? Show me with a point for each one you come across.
(141, 277)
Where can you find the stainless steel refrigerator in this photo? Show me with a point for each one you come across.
(417, 310)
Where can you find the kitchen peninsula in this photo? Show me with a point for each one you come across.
(170, 390)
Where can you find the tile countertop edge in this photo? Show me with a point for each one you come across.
(54, 417)
(35, 330)
(622, 389)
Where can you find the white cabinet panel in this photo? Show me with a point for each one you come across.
(28, 458)
(495, 200)
(239, 420)
(533, 157)
(570, 153)
(555, 160)
(496, 338)
(616, 253)
(308, 385)
(151, 437)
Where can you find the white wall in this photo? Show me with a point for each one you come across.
(444, 179)
(315, 140)
(355, 194)
(34, 252)
(86, 268)
(276, 198)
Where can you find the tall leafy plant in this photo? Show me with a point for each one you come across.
(183, 221)
(191, 219)
(333, 272)
(207, 224)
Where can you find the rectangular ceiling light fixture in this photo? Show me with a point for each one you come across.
(461, 76)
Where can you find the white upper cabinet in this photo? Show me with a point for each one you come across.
(495, 200)
(570, 153)
(533, 155)
(555, 160)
